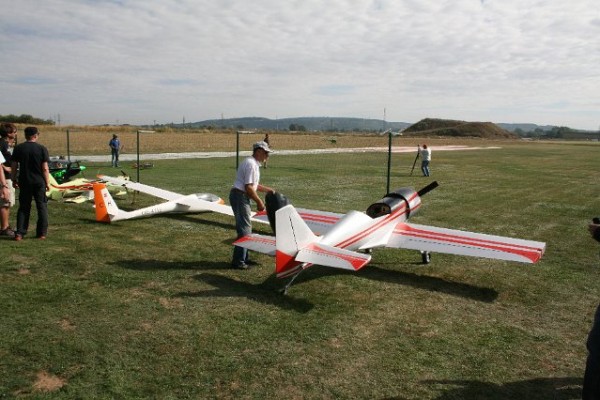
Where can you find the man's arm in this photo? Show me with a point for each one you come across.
(46, 172)
(13, 173)
(260, 206)
(265, 189)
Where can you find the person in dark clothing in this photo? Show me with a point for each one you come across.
(591, 378)
(30, 159)
(115, 147)
(8, 136)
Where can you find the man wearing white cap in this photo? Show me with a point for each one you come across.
(244, 189)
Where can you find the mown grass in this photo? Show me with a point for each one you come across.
(150, 309)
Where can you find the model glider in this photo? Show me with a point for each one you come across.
(297, 245)
(108, 211)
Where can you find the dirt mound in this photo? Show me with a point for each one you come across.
(447, 127)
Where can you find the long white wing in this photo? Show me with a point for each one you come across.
(452, 241)
(151, 190)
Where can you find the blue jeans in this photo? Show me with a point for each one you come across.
(425, 167)
(114, 157)
(27, 193)
(240, 204)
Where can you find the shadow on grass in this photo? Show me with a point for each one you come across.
(539, 388)
(429, 283)
(265, 292)
(193, 218)
(146, 265)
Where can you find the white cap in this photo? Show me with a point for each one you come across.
(262, 145)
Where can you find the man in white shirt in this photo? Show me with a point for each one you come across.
(425, 154)
(246, 188)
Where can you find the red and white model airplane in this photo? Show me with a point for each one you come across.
(297, 245)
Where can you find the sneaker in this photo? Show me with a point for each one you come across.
(18, 237)
(251, 263)
(7, 232)
(242, 265)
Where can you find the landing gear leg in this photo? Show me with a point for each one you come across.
(425, 257)
(287, 286)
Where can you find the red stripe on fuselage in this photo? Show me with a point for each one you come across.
(319, 218)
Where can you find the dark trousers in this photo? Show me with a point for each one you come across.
(114, 153)
(240, 204)
(591, 379)
(27, 193)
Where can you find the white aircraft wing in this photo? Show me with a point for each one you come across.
(151, 190)
(259, 243)
(320, 222)
(452, 241)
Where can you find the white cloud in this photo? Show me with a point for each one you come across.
(139, 61)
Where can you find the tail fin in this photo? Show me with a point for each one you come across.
(297, 247)
(292, 235)
(106, 208)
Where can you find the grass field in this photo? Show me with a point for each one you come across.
(150, 309)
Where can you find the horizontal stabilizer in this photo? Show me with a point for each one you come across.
(452, 241)
(330, 256)
(259, 243)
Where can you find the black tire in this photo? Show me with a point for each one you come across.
(425, 257)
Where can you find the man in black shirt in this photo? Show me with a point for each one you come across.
(34, 176)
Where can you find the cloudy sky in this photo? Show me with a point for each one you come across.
(146, 61)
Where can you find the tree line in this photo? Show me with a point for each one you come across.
(25, 119)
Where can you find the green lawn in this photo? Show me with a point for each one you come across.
(149, 308)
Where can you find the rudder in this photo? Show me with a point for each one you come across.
(106, 208)
(292, 235)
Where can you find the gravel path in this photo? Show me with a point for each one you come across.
(170, 156)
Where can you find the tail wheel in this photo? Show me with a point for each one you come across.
(425, 257)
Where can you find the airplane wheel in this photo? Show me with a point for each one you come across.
(426, 257)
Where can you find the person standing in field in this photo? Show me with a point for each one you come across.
(30, 159)
(245, 188)
(425, 154)
(115, 147)
(8, 134)
(266, 140)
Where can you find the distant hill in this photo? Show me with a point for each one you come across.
(447, 127)
(512, 127)
(336, 124)
(341, 124)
